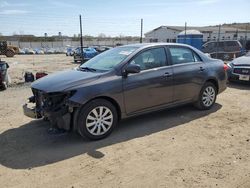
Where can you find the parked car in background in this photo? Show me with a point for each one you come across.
(39, 51)
(60, 50)
(49, 51)
(101, 49)
(240, 69)
(21, 52)
(88, 53)
(127, 81)
(225, 50)
(29, 51)
(70, 52)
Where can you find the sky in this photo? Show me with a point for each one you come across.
(114, 17)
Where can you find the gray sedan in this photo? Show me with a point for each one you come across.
(127, 81)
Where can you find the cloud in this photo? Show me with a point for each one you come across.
(178, 3)
(62, 4)
(203, 2)
(13, 12)
(4, 4)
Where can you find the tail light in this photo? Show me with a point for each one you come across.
(225, 67)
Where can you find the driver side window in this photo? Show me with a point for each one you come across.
(151, 59)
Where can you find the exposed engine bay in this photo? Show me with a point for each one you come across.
(54, 107)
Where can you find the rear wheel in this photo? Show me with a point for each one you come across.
(207, 96)
(97, 119)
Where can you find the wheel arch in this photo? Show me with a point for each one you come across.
(110, 99)
(215, 82)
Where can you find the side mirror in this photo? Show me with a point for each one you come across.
(7, 65)
(132, 68)
(207, 54)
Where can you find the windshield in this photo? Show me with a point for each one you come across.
(109, 59)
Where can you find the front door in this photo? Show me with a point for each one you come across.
(153, 86)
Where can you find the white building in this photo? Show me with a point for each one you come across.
(170, 33)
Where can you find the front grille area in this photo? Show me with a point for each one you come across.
(243, 71)
(38, 98)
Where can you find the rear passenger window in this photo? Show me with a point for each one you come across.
(183, 55)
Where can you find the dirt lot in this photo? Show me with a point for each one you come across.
(34, 63)
(181, 147)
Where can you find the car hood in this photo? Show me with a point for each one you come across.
(244, 60)
(64, 80)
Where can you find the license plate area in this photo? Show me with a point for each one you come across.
(244, 77)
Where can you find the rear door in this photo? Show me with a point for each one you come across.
(153, 86)
(189, 73)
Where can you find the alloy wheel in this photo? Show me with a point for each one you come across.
(208, 96)
(99, 120)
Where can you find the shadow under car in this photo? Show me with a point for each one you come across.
(30, 145)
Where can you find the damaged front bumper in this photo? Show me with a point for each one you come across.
(54, 107)
(30, 111)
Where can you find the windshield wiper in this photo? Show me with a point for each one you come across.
(87, 69)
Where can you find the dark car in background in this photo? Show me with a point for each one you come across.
(87, 53)
(4, 78)
(101, 49)
(240, 69)
(225, 50)
(126, 81)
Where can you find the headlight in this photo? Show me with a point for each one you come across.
(55, 99)
(230, 64)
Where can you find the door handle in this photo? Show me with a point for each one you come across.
(202, 69)
(168, 74)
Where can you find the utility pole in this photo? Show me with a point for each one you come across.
(246, 36)
(185, 32)
(45, 37)
(141, 30)
(236, 34)
(80, 17)
(218, 40)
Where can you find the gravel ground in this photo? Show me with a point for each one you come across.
(181, 147)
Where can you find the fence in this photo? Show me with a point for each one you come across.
(59, 44)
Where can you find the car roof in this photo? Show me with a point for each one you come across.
(144, 45)
(222, 41)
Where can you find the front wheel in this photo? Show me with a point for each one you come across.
(97, 119)
(207, 96)
(4, 86)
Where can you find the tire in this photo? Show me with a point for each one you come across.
(9, 53)
(208, 91)
(91, 126)
(4, 86)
